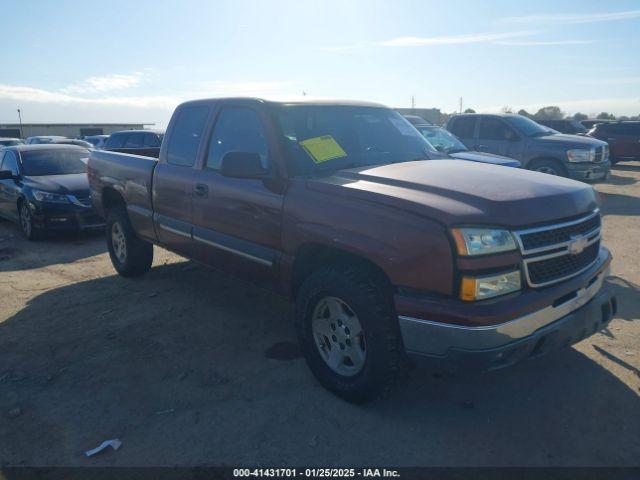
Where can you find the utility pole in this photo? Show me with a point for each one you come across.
(460, 104)
(413, 102)
(20, 119)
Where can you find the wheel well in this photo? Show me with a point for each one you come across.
(311, 257)
(544, 159)
(111, 199)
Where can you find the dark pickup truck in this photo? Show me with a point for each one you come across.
(388, 255)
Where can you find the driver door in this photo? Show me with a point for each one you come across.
(237, 222)
(495, 136)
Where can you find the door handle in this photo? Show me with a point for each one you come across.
(200, 190)
(480, 147)
(611, 139)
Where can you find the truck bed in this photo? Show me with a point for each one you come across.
(129, 175)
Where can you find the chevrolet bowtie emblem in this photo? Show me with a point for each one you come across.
(577, 244)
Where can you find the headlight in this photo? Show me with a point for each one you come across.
(480, 288)
(49, 197)
(482, 241)
(581, 155)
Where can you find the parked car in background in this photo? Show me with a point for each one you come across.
(387, 256)
(589, 124)
(72, 141)
(623, 139)
(567, 125)
(98, 141)
(10, 142)
(446, 142)
(43, 139)
(45, 188)
(138, 142)
(535, 146)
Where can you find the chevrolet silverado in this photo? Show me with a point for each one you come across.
(390, 252)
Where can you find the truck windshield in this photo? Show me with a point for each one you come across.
(332, 137)
(528, 127)
(53, 162)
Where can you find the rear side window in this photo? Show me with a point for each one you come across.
(116, 140)
(151, 140)
(186, 135)
(494, 129)
(463, 127)
(134, 140)
(236, 130)
(626, 128)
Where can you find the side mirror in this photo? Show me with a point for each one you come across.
(242, 165)
(6, 175)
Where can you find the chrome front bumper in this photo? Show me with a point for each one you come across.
(493, 345)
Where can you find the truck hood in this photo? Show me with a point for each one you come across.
(486, 158)
(457, 192)
(569, 141)
(72, 184)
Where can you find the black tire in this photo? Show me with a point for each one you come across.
(25, 221)
(138, 254)
(371, 299)
(548, 166)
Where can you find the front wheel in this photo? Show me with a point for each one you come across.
(349, 333)
(550, 167)
(130, 255)
(28, 229)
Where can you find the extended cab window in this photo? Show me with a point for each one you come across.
(116, 140)
(185, 138)
(134, 140)
(151, 140)
(463, 127)
(492, 128)
(236, 130)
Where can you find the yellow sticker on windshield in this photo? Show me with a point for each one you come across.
(322, 149)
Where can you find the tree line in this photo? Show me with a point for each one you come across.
(553, 112)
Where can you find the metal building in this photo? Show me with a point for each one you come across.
(70, 130)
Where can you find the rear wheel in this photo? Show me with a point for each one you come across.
(349, 333)
(130, 255)
(28, 229)
(550, 167)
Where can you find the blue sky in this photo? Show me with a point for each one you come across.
(135, 60)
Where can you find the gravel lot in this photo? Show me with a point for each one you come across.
(175, 364)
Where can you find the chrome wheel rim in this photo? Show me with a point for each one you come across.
(119, 242)
(547, 170)
(25, 220)
(338, 336)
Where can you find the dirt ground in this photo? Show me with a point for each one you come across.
(175, 364)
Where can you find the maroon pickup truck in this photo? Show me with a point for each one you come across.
(390, 252)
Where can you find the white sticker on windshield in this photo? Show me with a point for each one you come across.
(405, 128)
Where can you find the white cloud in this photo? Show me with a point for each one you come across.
(453, 39)
(68, 96)
(535, 43)
(614, 81)
(575, 18)
(430, 41)
(37, 95)
(105, 83)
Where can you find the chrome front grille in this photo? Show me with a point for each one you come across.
(558, 252)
